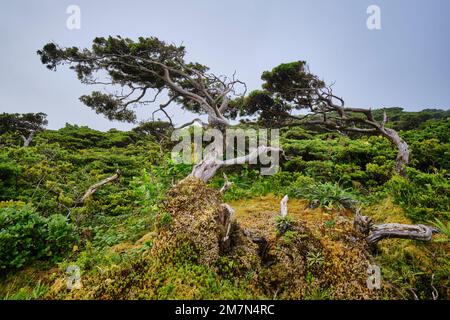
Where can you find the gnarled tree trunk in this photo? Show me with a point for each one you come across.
(207, 168)
(27, 140)
(377, 232)
(403, 231)
(402, 150)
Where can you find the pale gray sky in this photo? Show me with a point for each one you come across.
(406, 63)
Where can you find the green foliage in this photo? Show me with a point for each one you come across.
(423, 196)
(26, 236)
(315, 259)
(443, 228)
(61, 235)
(328, 195)
(35, 293)
(142, 74)
(283, 224)
(328, 170)
(22, 124)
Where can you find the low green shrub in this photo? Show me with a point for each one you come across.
(423, 196)
(26, 236)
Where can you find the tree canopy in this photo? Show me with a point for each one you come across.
(26, 125)
(141, 71)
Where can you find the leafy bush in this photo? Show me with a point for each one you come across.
(60, 236)
(423, 196)
(26, 236)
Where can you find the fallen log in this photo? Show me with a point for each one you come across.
(376, 232)
(418, 232)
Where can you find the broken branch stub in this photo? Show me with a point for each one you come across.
(284, 207)
(227, 184)
(226, 219)
(361, 223)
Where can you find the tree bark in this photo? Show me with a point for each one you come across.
(207, 168)
(402, 150)
(93, 189)
(403, 231)
(376, 232)
(27, 141)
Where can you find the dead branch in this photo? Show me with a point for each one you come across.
(229, 218)
(404, 231)
(207, 168)
(227, 184)
(93, 189)
(376, 232)
(283, 206)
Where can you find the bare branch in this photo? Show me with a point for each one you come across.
(93, 189)
(227, 184)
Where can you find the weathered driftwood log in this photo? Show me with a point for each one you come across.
(377, 232)
(404, 231)
(93, 189)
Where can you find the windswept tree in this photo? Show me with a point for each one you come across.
(26, 125)
(138, 72)
(290, 88)
(141, 71)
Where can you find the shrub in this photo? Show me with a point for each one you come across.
(22, 235)
(26, 236)
(423, 196)
(60, 235)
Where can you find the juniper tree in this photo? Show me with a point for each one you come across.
(291, 87)
(139, 72)
(26, 125)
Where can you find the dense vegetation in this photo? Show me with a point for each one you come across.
(43, 230)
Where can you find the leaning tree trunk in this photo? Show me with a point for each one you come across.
(207, 168)
(402, 150)
(27, 141)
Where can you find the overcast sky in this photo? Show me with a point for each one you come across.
(406, 63)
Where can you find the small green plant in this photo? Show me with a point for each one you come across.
(443, 228)
(315, 259)
(327, 195)
(283, 224)
(289, 236)
(330, 223)
(165, 220)
(318, 294)
(146, 246)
